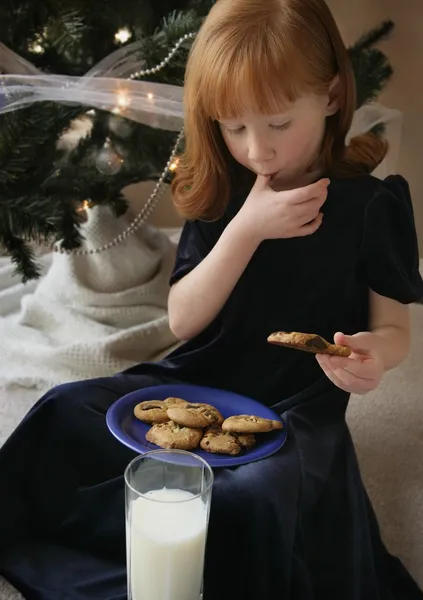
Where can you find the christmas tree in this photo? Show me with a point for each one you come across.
(71, 36)
(44, 185)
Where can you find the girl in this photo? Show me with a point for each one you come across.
(286, 230)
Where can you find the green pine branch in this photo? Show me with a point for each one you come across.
(65, 32)
(23, 257)
(372, 69)
(374, 36)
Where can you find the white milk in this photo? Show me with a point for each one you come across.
(167, 543)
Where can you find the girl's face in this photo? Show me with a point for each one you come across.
(284, 145)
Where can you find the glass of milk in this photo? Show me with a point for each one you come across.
(168, 494)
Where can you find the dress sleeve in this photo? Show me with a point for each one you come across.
(196, 241)
(389, 251)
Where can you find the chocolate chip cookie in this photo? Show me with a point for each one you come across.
(195, 415)
(155, 411)
(249, 424)
(308, 342)
(218, 442)
(173, 436)
(245, 440)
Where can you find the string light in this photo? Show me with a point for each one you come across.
(85, 205)
(123, 100)
(123, 35)
(36, 48)
(174, 165)
(37, 44)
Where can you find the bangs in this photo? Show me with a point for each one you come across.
(260, 77)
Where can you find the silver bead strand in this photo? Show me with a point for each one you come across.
(166, 60)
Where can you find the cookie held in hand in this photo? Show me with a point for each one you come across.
(218, 442)
(308, 342)
(249, 424)
(173, 436)
(195, 415)
(155, 411)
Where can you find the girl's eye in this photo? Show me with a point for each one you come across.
(281, 127)
(242, 127)
(234, 131)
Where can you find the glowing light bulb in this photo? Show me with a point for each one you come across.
(85, 205)
(123, 100)
(36, 48)
(123, 35)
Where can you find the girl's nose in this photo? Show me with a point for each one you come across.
(259, 150)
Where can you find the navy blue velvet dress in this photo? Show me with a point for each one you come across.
(297, 525)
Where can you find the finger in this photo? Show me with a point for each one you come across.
(354, 384)
(317, 189)
(311, 227)
(363, 369)
(340, 338)
(351, 381)
(331, 375)
(360, 343)
(261, 182)
(310, 209)
(342, 380)
(312, 203)
(307, 217)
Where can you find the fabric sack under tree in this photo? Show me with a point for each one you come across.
(90, 315)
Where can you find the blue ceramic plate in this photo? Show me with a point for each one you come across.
(131, 432)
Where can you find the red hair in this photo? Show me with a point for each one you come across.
(262, 55)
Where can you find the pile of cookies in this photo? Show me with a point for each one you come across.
(178, 424)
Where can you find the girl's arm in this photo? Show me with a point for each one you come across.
(390, 329)
(197, 298)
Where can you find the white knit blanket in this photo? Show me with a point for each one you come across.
(89, 316)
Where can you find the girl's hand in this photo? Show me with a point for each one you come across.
(267, 214)
(361, 372)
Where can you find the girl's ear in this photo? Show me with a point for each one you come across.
(333, 96)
